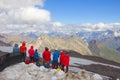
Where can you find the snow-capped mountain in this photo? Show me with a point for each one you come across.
(104, 36)
(30, 34)
(96, 35)
(110, 38)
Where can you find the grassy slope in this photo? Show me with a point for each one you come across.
(109, 53)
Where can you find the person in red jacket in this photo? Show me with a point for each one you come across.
(31, 53)
(65, 62)
(46, 57)
(61, 58)
(23, 51)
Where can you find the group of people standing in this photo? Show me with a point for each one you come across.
(60, 59)
(33, 54)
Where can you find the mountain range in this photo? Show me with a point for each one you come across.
(70, 43)
(110, 38)
(73, 43)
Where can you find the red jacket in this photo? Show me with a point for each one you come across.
(46, 55)
(23, 48)
(66, 60)
(31, 51)
(61, 57)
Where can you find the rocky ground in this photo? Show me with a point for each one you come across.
(6, 59)
(111, 72)
(93, 58)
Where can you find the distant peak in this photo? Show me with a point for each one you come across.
(93, 41)
(43, 37)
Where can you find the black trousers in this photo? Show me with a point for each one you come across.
(31, 59)
(23, 56)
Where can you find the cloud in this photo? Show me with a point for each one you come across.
(23, 12)
(48, 27)
(91, 27)
(17, 16)
(29, 15)
(57, 24)
(33, 15)
(13, 4)
(98, 26)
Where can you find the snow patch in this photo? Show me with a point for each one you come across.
(22, 71)
(96, 77)
(116, 34)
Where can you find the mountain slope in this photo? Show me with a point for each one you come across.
(7, 38)
(99, 49)
(113, 42)
(10, 39)
(4, 44)
(71, 43)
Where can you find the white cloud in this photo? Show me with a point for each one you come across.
(20, 12)
(25, 15)
(17, 16)
(48, 27)
(34, 15)
(57, 24)
(13, 4)
(99, 26)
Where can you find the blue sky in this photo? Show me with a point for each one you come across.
(84, 11)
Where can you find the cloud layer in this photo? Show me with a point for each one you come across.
(23, 12)
(29, 15)
(14, 4)
(49, 27)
